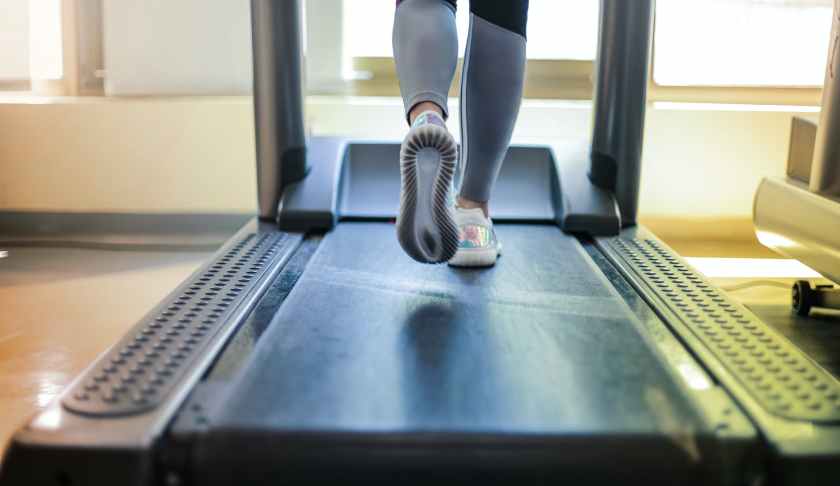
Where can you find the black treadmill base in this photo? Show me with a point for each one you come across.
(443, 458)
(375, 368)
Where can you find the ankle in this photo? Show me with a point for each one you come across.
(469, 204)
(421, 108)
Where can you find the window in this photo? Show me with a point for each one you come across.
(556, 30)
(562, 42)
(732, 51)
(181, 47)
(46, 53)
(723, 51)
(742, 42)
(51, 47)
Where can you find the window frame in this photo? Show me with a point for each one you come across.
(15, 85)
(545, 79)
(573, 80)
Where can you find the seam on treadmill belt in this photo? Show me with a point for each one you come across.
(605, 307)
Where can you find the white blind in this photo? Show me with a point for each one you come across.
(180, 47)
(14, 40)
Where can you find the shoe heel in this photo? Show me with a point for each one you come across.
(426, 228)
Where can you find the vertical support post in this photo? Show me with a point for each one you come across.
(624, 46)
(825, 166)
(278, 99)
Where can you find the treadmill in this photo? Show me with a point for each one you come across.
(310, 348)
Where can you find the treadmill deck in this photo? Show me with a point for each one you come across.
(538, 360)
(370, 340)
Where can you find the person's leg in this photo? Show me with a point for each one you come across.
(491, 91)
(426, 54)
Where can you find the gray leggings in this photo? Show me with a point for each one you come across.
(426, 54)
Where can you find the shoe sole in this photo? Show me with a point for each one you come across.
(426, 227)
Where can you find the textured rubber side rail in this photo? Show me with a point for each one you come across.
(781, 378)
(136, 374)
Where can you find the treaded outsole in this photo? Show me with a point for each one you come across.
(438, 138)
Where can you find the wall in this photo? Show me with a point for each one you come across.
(139, 155)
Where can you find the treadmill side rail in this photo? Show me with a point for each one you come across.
(793, 401)
(140, 371)
(102, 428)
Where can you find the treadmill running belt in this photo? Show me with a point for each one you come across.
(378, 349)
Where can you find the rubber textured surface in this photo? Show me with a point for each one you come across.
(818, 335)
(374, 353)
(142, 368)
(782, 378)
(425, 225)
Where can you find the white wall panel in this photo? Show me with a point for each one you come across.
(180, 47)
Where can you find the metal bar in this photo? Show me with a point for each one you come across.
(825, 167)
(624, 47)
(798, 223)
(278, 99)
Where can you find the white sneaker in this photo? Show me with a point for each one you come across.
(477, 242)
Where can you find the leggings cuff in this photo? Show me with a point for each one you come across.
(475, 194)
(418, 98)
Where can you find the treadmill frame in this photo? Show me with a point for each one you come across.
(139, 449)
